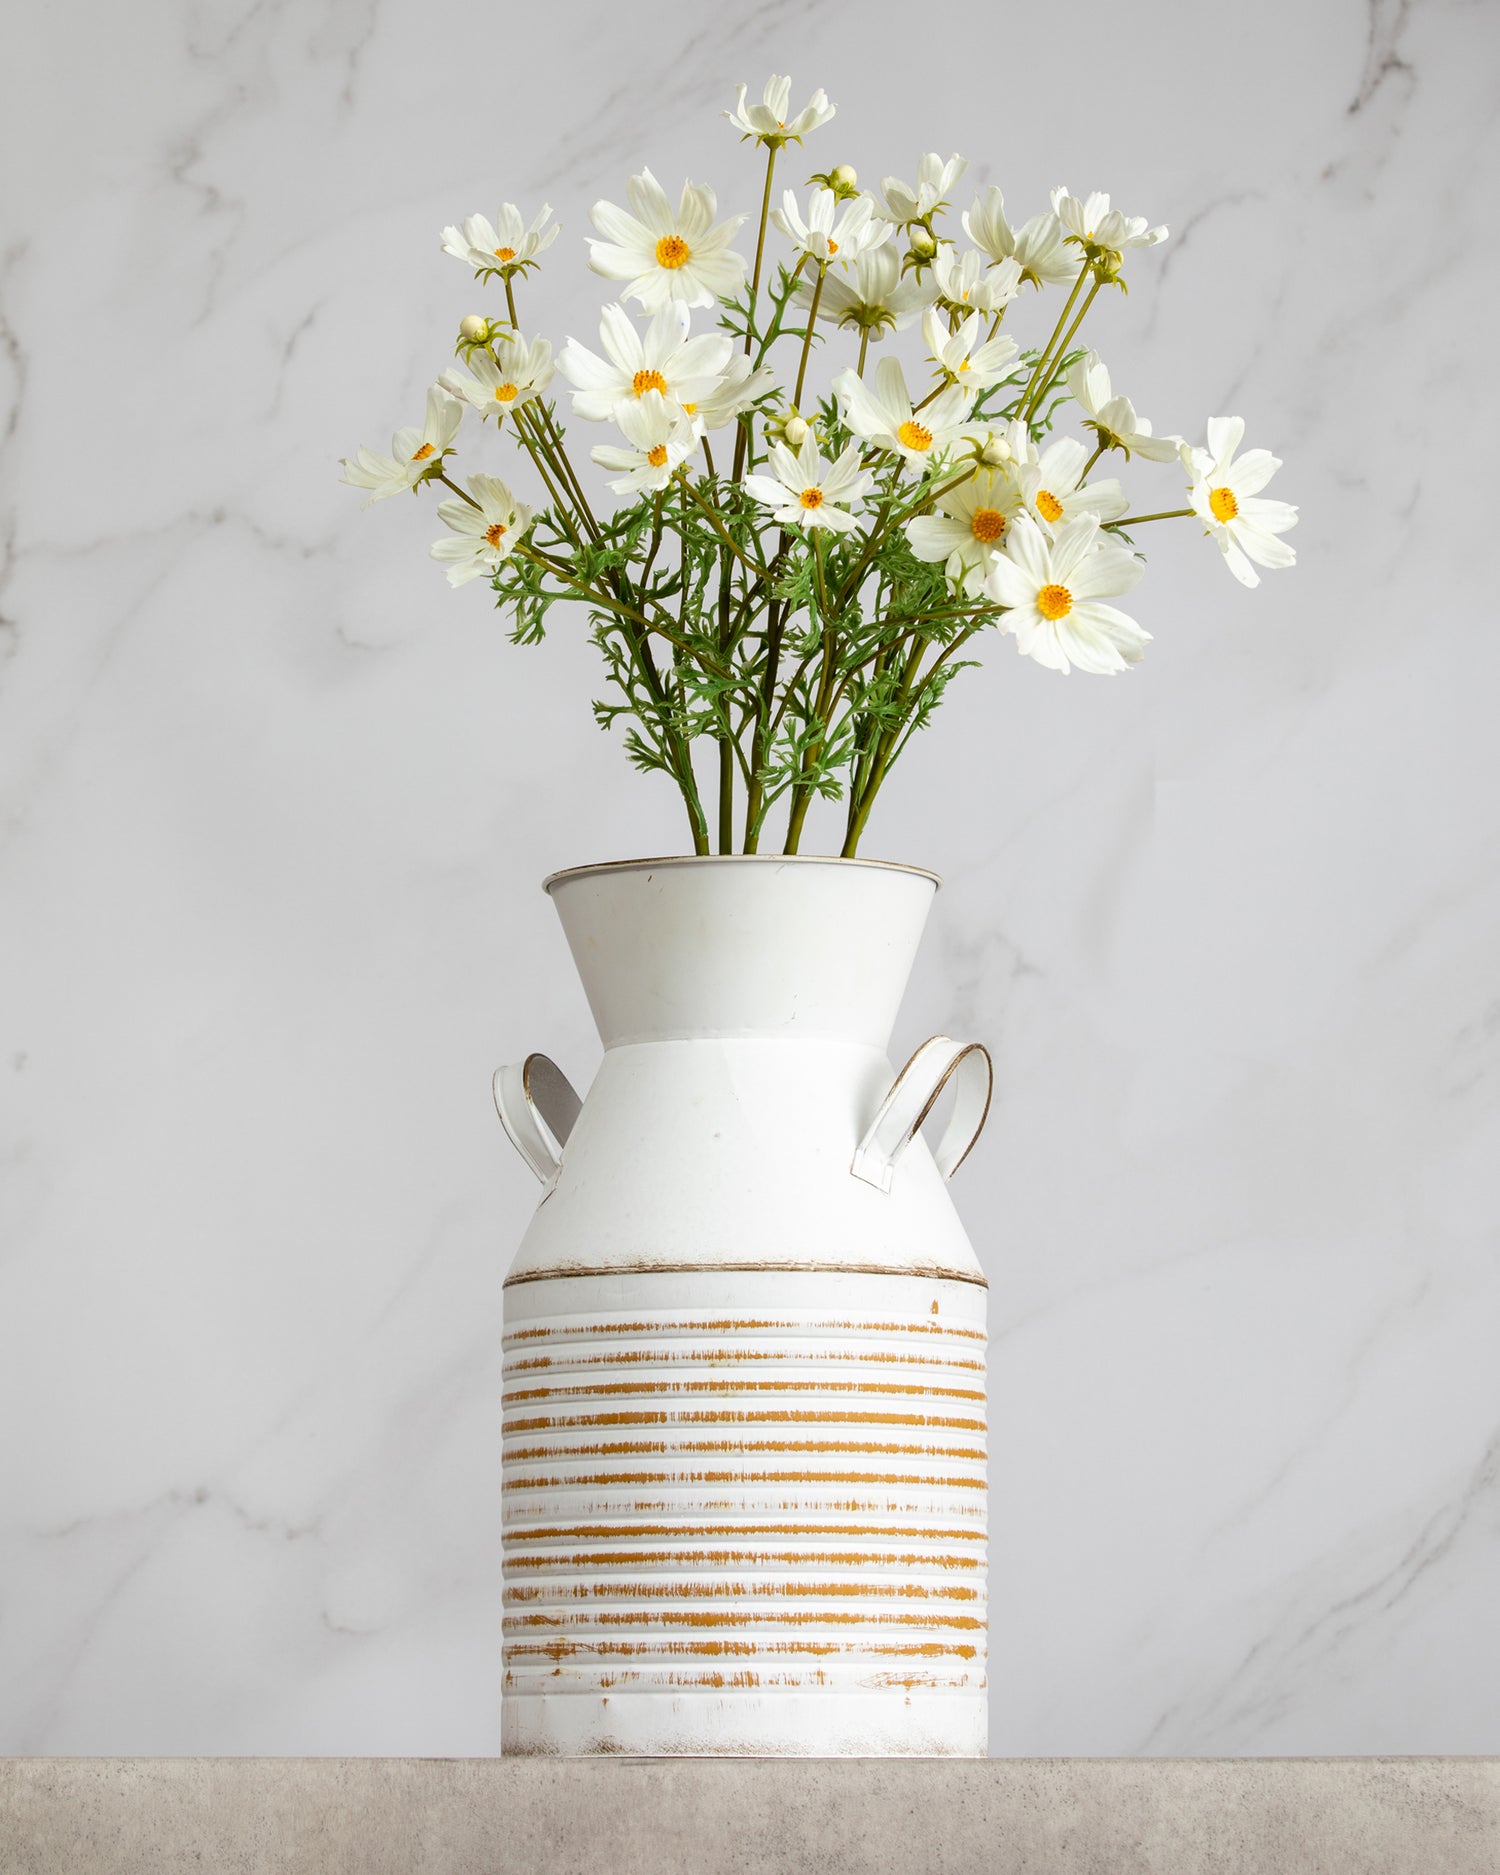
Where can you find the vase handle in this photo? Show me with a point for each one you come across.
(537, 1108)
(913, 1094)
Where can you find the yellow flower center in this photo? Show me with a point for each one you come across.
(494, 534)
(672, 251)
(691, 409)
(644, 381)
(1054, 602)
(987, 524)
(424, 452)
(507, 393)
(914, 435)
(505, 253)
(657, 456)
(833, 247)
(1047, 505)
(1222, 504)
(811, 498)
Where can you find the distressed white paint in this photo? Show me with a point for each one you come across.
(744, 1414)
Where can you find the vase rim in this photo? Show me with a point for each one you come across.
(736, 859)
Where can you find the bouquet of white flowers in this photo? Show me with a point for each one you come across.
(791, 578)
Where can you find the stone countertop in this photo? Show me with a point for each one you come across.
(491, 1816)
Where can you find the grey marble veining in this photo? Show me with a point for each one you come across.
(273, 803)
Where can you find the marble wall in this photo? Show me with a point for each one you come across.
(273, 803)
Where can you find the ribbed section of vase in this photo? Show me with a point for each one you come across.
(756, 1523)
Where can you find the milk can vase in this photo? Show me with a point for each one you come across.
(744, 1475)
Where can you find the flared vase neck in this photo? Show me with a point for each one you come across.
(744, 946)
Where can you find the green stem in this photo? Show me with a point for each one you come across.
(761, 734)
(726, 792)
(554, 495)
(1166, 514)
(860, 767)
(802, 791)
(755, 792)
(892, 513)
(725, 731)
(807, 337)
(1044, 358)
(742, 439)
(760, 245)
(801, 801)
(882, 758)
(864, 347)
(773, 331)
(559, 450)
(1044, 384)
(677, 750)
(719, 527)
(462, 494)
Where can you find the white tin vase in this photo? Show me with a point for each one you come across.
(744, 1477)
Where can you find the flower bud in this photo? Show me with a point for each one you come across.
(923, 243)
(995, 452)
(474, 329)
(845, 176)
(794, 431)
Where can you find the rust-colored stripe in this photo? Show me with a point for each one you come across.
(649, 1448)
(610, 1532)
(643, 1266)
(710, 1590)
(744, 1559)
(697, 1618)
(738, 1357)
(525, 1396)
(562, 1649)
(814, 1416)
(579, 1329)
(634, 1478)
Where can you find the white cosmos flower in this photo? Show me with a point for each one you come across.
(935, 179)
(1225, 492)
(857, 230)
(968, 280)
(877, 297)
(884, 415)
(1038, 248)
(415, 454)
(964, 359)
(503, 379)
(1113, 419)
(1050, 487)
(484, 530)
(502, 246)
(1093, 223)
(660, 435)
(809, 491)
(662, 358)
(770, 123)
(1053, 589)
(666, 254)
(737, 388)
(969, 526)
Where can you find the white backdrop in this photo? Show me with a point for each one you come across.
(275, 805)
